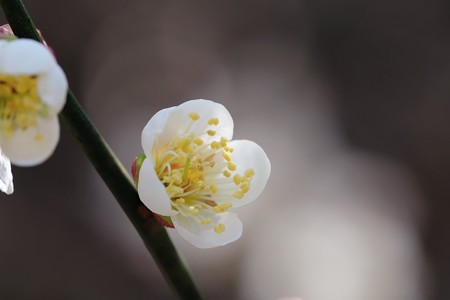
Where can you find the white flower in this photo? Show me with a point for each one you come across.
(33, 91)
(194, 175)
(6, 178)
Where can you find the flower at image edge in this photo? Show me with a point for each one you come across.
(193, 175)
(33, 91)
(6, 177)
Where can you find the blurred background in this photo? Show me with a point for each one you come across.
(350, 100)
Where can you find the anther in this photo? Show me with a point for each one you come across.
(194, 116)
(226, 156)
(222, 207)
(198, 142)
(219, 228)
(211, 132)
(238, 194)
(245, 187)
(213, 121)
(206, 221)
(229, 149)
(231, 166)
(249, 173)
(224, 141)
(215, 145)
(237, 179)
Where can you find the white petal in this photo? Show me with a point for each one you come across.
(208, 109)
(152, 192)
(3, 43)
(6, 178)
(23, 149)
(52, 88)
(204, 236)
(248, 154)
(169, 122)
(25, 56)
(161, 128)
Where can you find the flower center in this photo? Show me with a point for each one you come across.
(200, 177)
(20, 104)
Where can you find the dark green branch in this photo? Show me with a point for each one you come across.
(121, 185)
(19, 19)
(113, 173)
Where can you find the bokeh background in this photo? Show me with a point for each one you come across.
(350, 100)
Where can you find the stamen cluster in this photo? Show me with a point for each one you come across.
(20, 104)
(193, 171)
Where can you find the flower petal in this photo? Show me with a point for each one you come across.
(246, 155)
(3, 43)
(6, 178)
(207, 109)
(172, 121)
(152, 192)
(25, 56)
(24, 148)
(160, 129)
(52, 88)
(204, 236)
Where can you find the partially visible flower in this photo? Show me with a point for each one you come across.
(6, 31)
(6, 178)
(193, 175)
(33, 91)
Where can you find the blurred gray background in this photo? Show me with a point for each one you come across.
(350, 100)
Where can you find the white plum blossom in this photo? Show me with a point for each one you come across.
(193, 175)
(33, 91)
(6, 178)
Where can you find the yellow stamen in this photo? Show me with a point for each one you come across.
(213, 188)
(198, 142)
(20, 105)
(226, 156)
(249, 173)
(215, 145)
(213, 121)
(238, 194)
(174, 190)
(194, 116)
(245, 186)
(211, 132)
(219, 228)
(231, 166)
(229, 149)
(186, 170)
(224, 142)
(237, 179)
(222, 207)
(206, 221)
